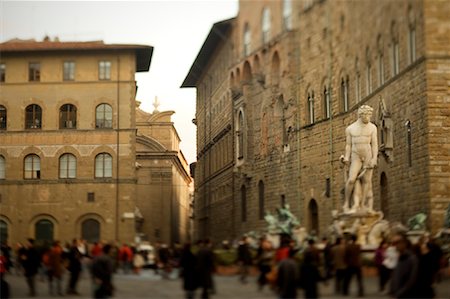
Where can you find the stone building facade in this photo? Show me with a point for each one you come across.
(283, 79)
(163, 180)
(68, 140)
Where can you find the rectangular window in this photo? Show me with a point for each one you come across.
(380, 69)
(91, 197)
(68, 71)
(369, 79)
(412, 44)
(34, 71)
(395, 58)
(2, 72)
(104, 70)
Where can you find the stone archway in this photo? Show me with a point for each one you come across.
(313, 213)
(44, 230)
(90, 230)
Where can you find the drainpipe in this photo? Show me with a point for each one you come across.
(117, 147)
(330, 74)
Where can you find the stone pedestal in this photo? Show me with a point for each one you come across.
(361, 224)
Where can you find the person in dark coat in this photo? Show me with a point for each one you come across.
(309, 272)
(188, 262)
(74, 267)
(102, 270)
(288, 277)
(244, 259)
(404, 275)
(205, 268)
(30, 262)
(354, 266)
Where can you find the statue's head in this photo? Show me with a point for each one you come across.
(364, 113)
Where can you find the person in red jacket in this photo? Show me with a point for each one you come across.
(125, 258)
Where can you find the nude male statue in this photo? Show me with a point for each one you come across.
(361, 150)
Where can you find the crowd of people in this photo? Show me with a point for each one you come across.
(404, 270)
(100, 260)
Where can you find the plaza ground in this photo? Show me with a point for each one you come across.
(149, 285)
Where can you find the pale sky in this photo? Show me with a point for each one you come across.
(176, 30)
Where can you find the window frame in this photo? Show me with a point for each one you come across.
(100, 122)
(34, 72)
(287, 14)
(3, 118)
(36, 115)
(69, 70)
(101, 173)
(311, 116)
(104, 70)
(35, 174)
(265, 25)
(65, 117)
(327, 102)
(2, 72)
(2, 167)
(70, 166)
(247, 40)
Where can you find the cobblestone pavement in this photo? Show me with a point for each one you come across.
(149, 285)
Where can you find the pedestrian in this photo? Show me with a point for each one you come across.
(55, 268)
(74, 267)
(4, 286)
(244, 258)
(205, 268)
(138, 262)
(354, 266)
(383, 271)
(309, 272)
(30, 263)
(288, 277)
(96, 249)
(264, 259)
(426, 271)
(125, 258)
(188, 264)
(340, 267)
(327, 259)
(164, 260)
(404, 275)
(102, 271)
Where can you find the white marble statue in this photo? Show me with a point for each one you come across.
(361, 149)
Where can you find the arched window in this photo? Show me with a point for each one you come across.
(313, 216)
(266, 25)
(280, 121)
(44, 230)
(357, 84)
(247, 40)
(368, 72)
(395, 50)
(103, 166)
(275, 70)
(247, 73)
(240, 135)
(90, 230)
(243, 203)
(103, 116)
(311, 107)
(2, 167)
(261, 199)
(32, 167)
(68, 116)
(67, 166)
(326, 102)
(287, 14)
(411, 35)
(380, 59)
(3, 231)
(33, 117)
(2, 117)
